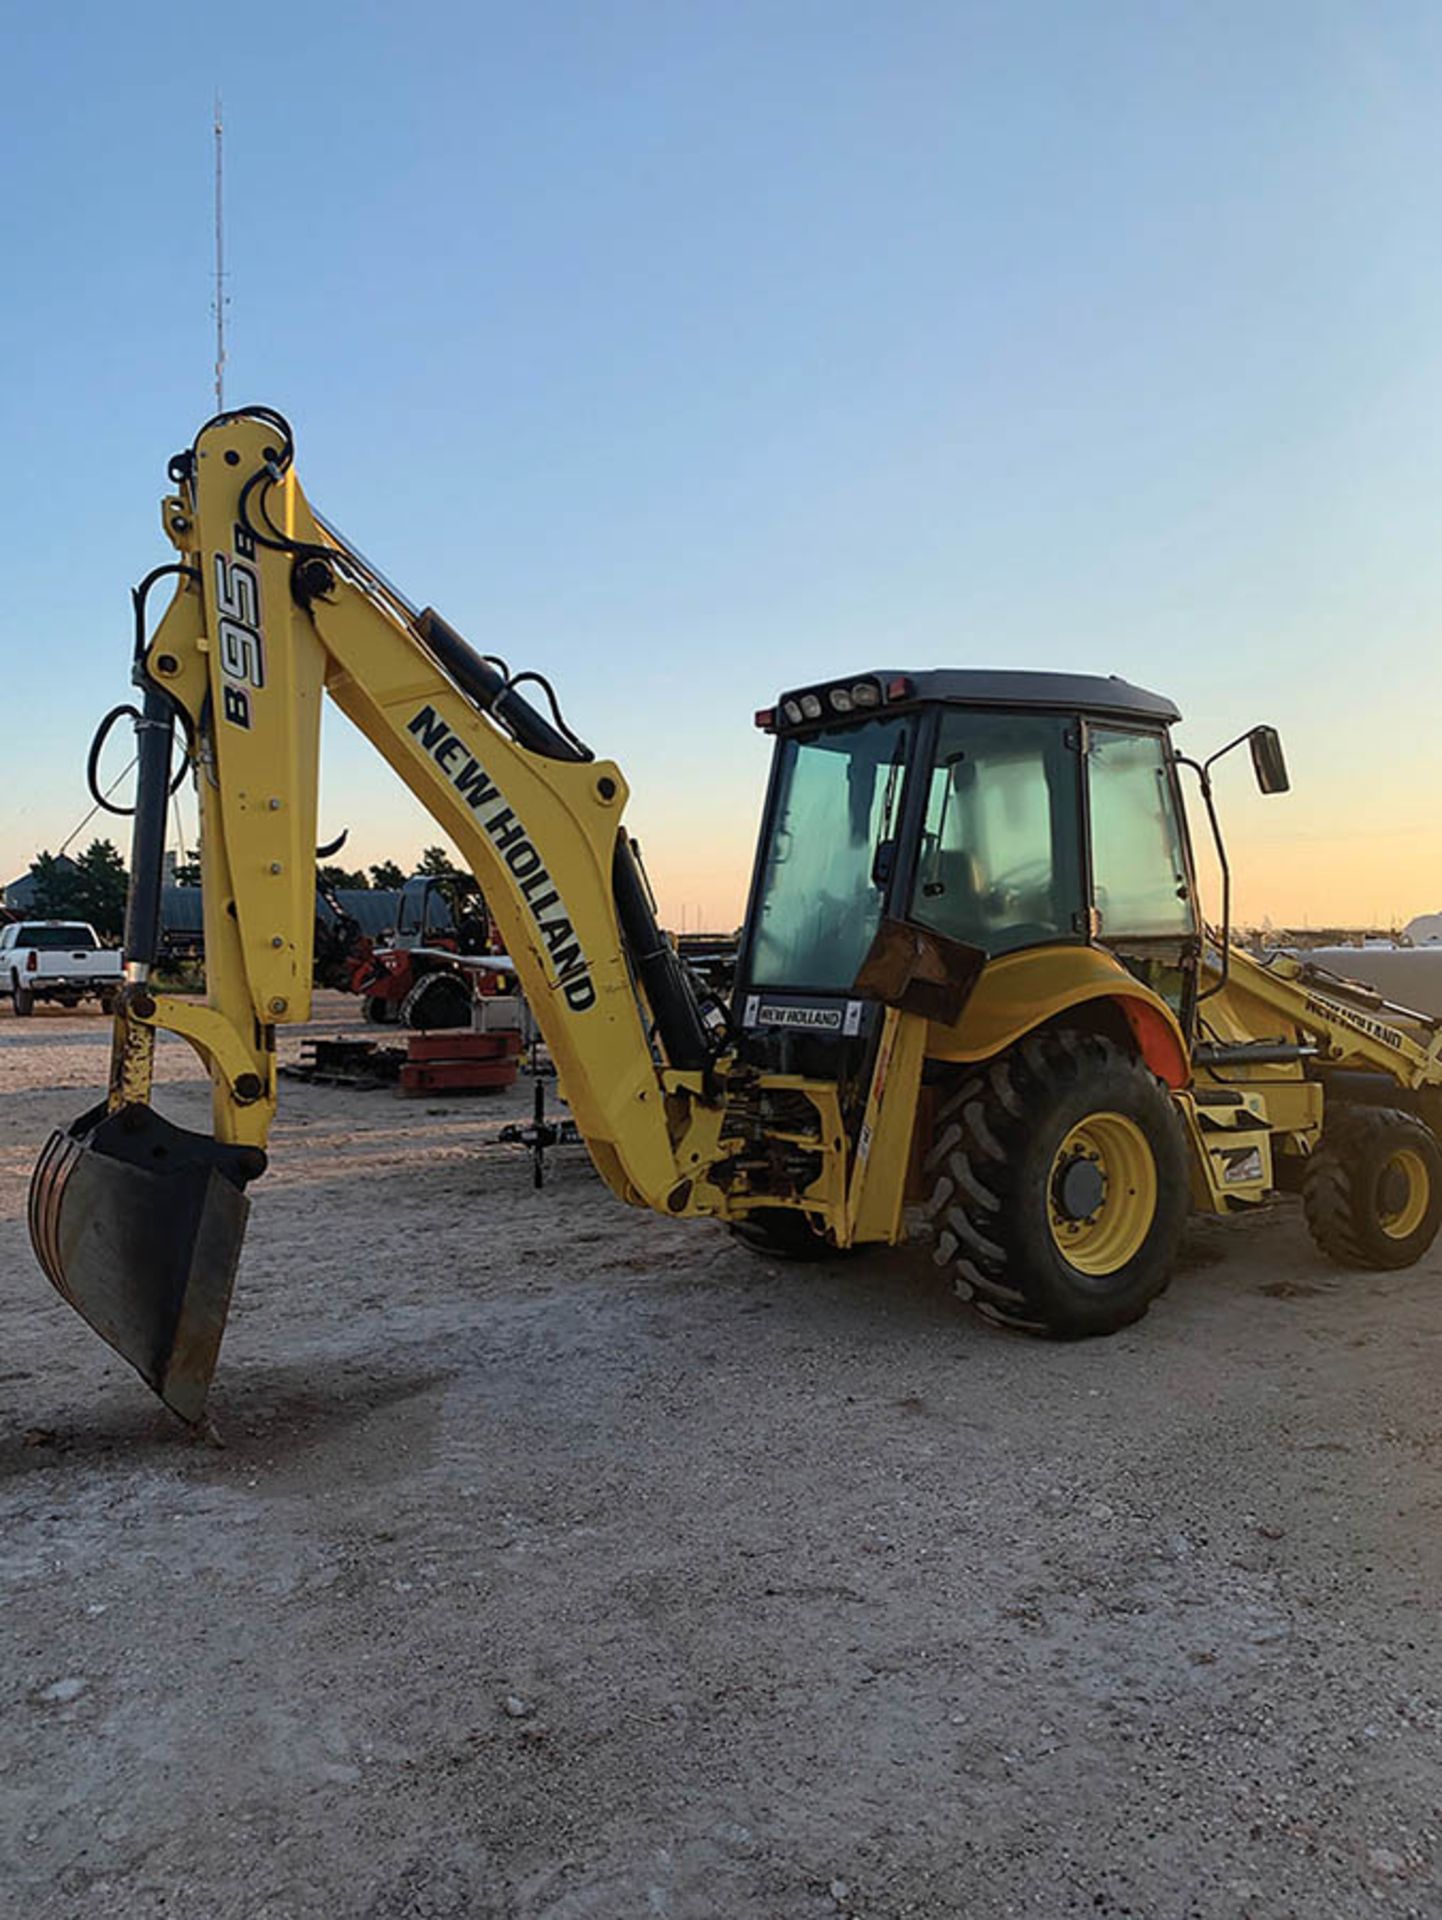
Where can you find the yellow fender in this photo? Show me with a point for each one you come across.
(1020, 991)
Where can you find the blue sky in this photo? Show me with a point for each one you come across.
(688, 351)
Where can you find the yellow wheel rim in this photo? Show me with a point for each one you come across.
(1105, 1159)
(1404, 1191)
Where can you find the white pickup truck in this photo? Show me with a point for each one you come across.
(56, 960)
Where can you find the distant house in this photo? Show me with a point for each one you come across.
(20, 893)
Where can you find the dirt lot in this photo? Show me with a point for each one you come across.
(564, 1563)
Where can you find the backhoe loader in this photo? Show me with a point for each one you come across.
(975, 1000)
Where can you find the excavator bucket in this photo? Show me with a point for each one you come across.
(138, 1224)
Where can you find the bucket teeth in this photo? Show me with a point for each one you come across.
(138, 1224)
(45, 1186)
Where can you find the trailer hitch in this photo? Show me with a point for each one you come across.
(540, 1135)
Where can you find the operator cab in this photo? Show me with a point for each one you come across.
(1001, 810)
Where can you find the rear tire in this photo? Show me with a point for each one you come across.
(22, 998)
(1059, 1185)
(108, 1001)
(1372, 1191)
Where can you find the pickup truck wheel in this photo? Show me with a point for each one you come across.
(22, 998)
(107, 1002)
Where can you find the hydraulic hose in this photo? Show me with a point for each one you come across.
(672, 1001)
(156, 732)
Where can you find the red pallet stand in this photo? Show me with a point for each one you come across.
(461, 1062)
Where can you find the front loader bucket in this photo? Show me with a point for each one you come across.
(138, 1224)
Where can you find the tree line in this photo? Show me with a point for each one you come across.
(92, 886)
(385, 875)
(89, 887)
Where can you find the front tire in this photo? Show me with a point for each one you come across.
(782, 1233)
(1059, 1185)
(1372, 1191)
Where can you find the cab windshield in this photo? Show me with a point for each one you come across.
(830, 854)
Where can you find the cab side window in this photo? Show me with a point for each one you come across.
(999, 865)
(1139, 871)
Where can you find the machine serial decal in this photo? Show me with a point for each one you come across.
(548, 910)
(237, 607)
(1241, 1165)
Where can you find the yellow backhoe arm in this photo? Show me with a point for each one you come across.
(289, 611)
(139, 1223)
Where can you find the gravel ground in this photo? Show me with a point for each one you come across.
(562, 1563)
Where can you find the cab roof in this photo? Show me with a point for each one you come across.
(1002, 687)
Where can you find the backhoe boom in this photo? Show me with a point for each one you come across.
(283, 610)
(139, 1224)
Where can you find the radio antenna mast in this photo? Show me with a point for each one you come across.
(220, 298)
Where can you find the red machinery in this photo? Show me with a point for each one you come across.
(441, 956)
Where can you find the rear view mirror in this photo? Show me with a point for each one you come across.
(1269, 763)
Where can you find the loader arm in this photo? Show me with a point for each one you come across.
(1350, 1028)
(139, 1223)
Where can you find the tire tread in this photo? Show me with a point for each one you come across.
(982, 1128)
(1335, 1193)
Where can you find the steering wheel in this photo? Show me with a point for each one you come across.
(1011, 888)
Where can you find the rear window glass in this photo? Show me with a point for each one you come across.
(52, 939)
